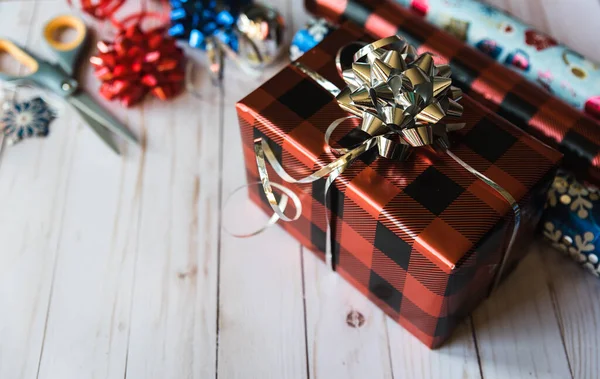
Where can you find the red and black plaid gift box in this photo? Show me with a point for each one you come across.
(424, 238)
(502, 90)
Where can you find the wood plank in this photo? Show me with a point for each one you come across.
(173, 321)
(261, 325)
(32, 182)
(87, 324)
(517, 329)
(173, 310)
(347, 336)
(261, 322)
(173, 317)
(575, 295)
(457, 358)
(16, 21)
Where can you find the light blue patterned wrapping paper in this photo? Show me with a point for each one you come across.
(509, 41)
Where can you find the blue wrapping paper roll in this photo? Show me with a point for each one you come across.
(572, 221)
(307, 38)
(509, 41)
(196, 20)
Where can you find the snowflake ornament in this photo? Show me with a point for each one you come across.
(26, 119)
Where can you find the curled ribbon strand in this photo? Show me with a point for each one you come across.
(103, 10)
(100, 10)
(403, 100)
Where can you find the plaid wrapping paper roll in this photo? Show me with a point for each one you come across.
(535, 55)
(504, 91)
(572, 221)
(422, 239)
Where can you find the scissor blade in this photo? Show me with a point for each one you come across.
(102, 132)
(86, 104)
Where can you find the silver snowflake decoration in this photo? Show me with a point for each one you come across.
(26, 119)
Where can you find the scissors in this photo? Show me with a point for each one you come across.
(58, 77)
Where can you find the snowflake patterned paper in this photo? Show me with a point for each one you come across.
(571, 221)
(26, 119)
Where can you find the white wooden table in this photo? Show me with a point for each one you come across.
(114, 267)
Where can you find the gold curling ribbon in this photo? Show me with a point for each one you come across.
(402, 100)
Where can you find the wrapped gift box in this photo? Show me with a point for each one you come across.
(572, 219)
(423, 239)
(499, 88)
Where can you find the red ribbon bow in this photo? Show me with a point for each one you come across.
(137, 63)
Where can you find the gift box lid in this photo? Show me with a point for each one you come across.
(429, 203)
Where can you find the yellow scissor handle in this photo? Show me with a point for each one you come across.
(57, 24)
(19, 55)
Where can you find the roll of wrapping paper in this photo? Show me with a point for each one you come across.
(533, 54)
(499, 88)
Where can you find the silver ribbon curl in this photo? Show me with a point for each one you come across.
(216, 52)
(401, 99)
(400, 96)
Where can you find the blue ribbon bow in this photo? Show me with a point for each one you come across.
(196, 20)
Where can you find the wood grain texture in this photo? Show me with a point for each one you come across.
(173, 319)
(517, 330)
(33, 179)
(260, 287)
(456, 359)
(88, 315)
(335, 308)
(171, 327)
(577, 305)
(118, 267)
